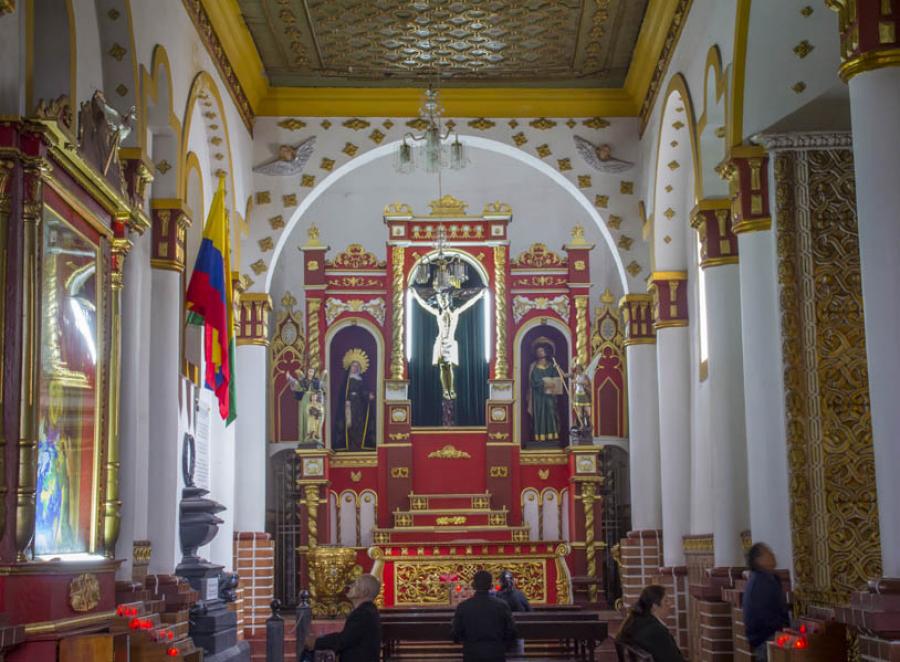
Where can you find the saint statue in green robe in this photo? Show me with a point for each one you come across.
(545, 385)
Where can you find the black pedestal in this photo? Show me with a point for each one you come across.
(448, 413)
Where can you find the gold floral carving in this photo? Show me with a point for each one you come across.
(454, 520)
(834, 510)
(334, 307)
(449, 452)
(523, 305)
(420, 583)
(501, 367)
(447, 205)
(330, 570)
(397, 256)
(539, 256)
(84, 592)
(355, 256)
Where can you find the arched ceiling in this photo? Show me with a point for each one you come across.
(350, 211)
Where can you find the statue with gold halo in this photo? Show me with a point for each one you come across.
(354, 423)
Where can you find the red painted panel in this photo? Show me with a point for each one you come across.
(434, 475)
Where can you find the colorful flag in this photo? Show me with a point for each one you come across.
(209, 303)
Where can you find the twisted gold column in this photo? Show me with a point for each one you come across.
(312, 515)
(588, 496)
(397, 313)
(312, 332)
(581, 329)
(501, 366)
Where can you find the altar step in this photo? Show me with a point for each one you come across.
(468, 517)
(428, 535)
(420, 502)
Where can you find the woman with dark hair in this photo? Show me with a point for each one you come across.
(645, 628)
(765, 607)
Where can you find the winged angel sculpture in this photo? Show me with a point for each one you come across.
(290, 161)
(600, 157)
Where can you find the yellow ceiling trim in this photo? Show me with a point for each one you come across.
(457, 102)
(234, 35)
(242, 55)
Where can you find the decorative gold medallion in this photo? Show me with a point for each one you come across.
(449, 452)
(84, 592)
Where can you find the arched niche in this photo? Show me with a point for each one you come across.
(549, 333)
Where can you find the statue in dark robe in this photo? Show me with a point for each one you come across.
(354, 426)
(544, 387)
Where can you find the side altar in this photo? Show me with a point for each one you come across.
(447, 403)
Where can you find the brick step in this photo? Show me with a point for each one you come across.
(463, 517)
(430, 535)
(419, 502)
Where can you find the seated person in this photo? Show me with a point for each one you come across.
(644, 627)
(483, 624)
(360, 640)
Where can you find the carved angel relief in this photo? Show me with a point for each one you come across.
(290, 160)
(600, 157)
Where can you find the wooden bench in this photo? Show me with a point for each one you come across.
(628, 653)
(578, 638)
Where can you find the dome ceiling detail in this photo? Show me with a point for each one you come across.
(560, 43)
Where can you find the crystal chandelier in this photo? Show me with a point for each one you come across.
(430, 150)
(443, 271)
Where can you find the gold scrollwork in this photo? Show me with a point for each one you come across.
(454, 520)
(499, 472)
(84, 592)
(449, 452)
(398, 436)
(399, 472)
(418, 583)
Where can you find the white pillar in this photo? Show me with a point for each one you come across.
(165, 462)
(134, 431)
(673, 368)
(726, 414)
(643, 437)
(763, 369)
(250, 439)
(874, 100)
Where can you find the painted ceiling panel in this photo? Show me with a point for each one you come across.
(559, 43)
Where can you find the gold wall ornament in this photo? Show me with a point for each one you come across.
(499, 472)
(398, 436)
(538, 256)
(354, 257)
(447, 206)
(455, 520)
(335, 307)
(399, 283)
(84, 592)
(449, 452)
(834, 507)
(522, 305)
(331, 569)
(582, 329)
(356, 476)
(417, 583)
(292, 124)
(399, 472)
(543, 474)
(399, 414)
(501, 365)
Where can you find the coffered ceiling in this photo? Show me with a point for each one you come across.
(554, 43)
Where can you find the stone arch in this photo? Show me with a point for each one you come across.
(712, 126)
(158, 124)
(51, 46)
(488, 144)
(677, 178)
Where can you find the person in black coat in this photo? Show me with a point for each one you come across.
(645, 628)
(765, 607)
(360, 640)
(483, 624)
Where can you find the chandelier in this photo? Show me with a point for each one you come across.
(443, 271)
(430, 149)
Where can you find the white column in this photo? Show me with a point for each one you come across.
(874, 100)
(164, 464)
(221, 483)
(673, 368)
(643, 437)
(726, 414)
(763, 370)
(250, 439)
(134, 431)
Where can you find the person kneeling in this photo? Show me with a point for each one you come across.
(360, 640)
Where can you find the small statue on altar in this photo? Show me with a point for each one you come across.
(446, 349)
(354, 428)
(545, 380)
(580, 388)
(309, 389)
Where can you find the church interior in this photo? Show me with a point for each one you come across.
(601, 293)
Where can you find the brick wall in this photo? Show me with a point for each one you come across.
(715, 631)
(641, 553)
(254, 561)
(676, 582)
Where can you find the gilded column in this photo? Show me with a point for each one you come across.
(726, 442)
(870, 44)
(669, 292)
(7, 172)
(588, 497)
(501, 366)
(313, 306)
(112, 505)
(311, 492)
(30, 330)
(582, 332)
(313, 281)
(397, 305)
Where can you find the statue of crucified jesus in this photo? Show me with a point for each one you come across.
(446, 349)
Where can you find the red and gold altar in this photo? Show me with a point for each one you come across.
(67, 207)
(419, 498)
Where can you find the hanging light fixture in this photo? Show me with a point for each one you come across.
(444, 271)
(429, 150)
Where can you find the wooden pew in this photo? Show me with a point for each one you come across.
(580, 638)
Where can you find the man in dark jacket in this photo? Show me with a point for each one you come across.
(360, 640)
(765, 607)
(483, 624)
(516, 601)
